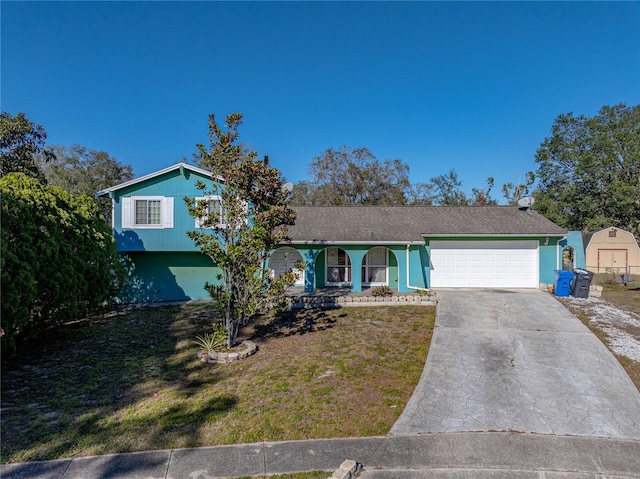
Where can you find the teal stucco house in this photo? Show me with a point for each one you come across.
(407, 248)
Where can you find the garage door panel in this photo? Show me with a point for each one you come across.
(484, 264)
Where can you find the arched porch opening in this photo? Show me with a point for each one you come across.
(568, 258)
(380, 268)
(337, 267)
(284, 259)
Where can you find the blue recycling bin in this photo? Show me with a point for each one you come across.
(562, 286)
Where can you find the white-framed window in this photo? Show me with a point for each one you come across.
(147, 212)
(375, 267)
(216, 205)
(338, 267)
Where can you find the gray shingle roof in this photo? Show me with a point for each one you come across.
(412, 223)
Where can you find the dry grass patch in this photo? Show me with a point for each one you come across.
(627, 297)
(130, 381)
(627, 300)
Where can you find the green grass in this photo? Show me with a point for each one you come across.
(130, 381)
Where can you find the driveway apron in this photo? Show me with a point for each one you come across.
(517, 360)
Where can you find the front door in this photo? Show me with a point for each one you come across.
(285, 259)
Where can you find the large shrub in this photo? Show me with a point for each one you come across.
(58, 257)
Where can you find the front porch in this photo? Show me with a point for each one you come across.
(355, 267)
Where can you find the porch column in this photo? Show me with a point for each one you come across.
(400, 253)
(356, 257)
(309, 257)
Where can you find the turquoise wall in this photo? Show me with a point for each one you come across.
(574, 239)
(418, 266)
(394, 280)
(173, 184)
(548, 260)
(160, 276)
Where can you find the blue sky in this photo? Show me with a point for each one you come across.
(473, 86)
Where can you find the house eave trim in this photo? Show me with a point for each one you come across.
(178, 166)
(352, 243)
(496, 235)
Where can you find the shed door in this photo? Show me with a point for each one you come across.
(484, 264)
(615, 259)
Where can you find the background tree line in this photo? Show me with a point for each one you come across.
(58, 259)
(354, 176)
(588, 176)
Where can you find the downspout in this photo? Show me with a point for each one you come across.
(112, 196)
(415, 288)
(558, 252)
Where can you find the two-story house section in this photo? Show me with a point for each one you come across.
(150, 222)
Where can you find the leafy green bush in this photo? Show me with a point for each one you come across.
(213, 341)
(58, 257)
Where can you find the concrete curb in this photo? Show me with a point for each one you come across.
(451, 455)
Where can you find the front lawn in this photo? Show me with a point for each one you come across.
(130, 381)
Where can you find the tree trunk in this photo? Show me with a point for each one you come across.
(232, 331)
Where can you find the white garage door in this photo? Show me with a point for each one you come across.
(484, 264)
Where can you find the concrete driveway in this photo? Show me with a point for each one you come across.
(517, 360)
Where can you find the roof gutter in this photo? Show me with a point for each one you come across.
(351, 243)
(496, 235)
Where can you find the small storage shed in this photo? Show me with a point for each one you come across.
(612, 250)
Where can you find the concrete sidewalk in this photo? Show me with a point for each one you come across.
(444, 455)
